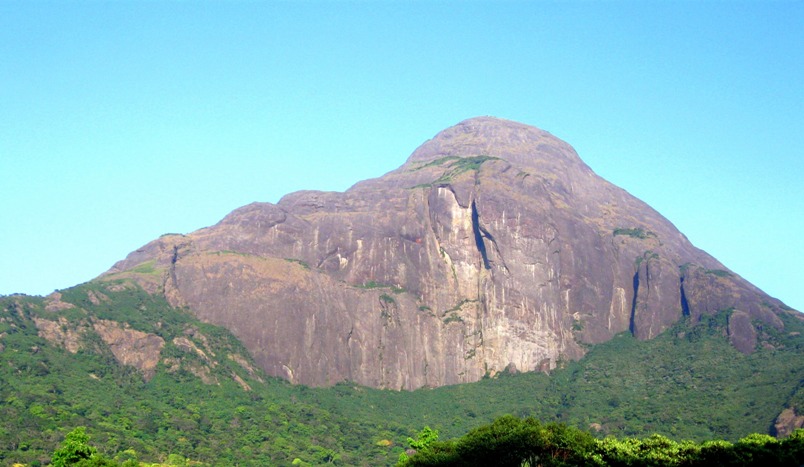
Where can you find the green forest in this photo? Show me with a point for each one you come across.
(683, 397)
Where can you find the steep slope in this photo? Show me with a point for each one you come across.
(493, 247)
(150, 381)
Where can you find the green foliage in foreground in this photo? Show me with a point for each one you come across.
(74, 449)
(688, 383)
(515, 442)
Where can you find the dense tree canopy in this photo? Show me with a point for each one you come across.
(513, 442)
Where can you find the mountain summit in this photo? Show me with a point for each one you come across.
(512, 141)
(493, 248)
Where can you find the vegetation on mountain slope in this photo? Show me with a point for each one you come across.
(206, 401)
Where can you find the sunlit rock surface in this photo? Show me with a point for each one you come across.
(493, 247)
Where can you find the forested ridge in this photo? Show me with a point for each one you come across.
(214, 407)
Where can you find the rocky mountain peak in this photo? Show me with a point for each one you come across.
(494, 246)
(517, 143)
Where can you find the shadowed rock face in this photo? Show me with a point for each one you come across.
(494, 246)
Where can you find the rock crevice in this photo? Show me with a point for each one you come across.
(480, 237)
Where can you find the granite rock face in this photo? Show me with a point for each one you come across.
(131, 347)
(493, 247)
(787, 422)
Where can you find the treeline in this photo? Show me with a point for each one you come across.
(516, 442)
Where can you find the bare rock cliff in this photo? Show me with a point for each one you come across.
(493, 247)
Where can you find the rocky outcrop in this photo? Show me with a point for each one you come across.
(787, 422)
(131, 347)
(60, 333)
(53, 303)
(494, 246)
(188, 346)
(240, 360)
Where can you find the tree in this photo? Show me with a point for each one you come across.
(73, 449)
(424, 439)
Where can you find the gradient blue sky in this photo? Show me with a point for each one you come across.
(121, 121)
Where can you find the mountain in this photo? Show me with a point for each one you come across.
(493, 248)
(491, 252)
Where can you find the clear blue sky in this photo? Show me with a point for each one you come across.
(121, 121)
